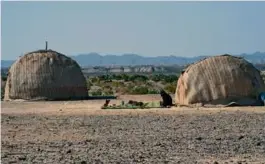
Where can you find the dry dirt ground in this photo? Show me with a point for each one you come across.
(81, 132)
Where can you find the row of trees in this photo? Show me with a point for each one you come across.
(137, 77)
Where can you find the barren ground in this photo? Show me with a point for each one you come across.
(81, 132)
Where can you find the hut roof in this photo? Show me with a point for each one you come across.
(218, 80)
(45, 74)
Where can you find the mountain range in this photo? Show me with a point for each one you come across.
(95, 59)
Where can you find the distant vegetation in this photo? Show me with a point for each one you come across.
(3, 82)
(131, 84)
(263, 75)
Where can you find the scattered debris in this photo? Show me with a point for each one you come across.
(131, 105)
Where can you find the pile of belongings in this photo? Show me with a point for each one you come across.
(131, 105)
(260, 101)
(165, 103)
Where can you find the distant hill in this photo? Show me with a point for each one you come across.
(94, 59)
(6, 63)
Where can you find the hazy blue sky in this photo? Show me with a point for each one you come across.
(145, 28)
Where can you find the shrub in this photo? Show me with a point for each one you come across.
(3, 89)
(263, 75)
(96, 93)
(152, 91)
(170, 78)
(88, 84)
(107, 87)
(108, 93)
(164, 78)
(120, 77)
(107, 78)
(171, 88)
(139, 90)
(117, 84)
(4, 78)
(125, 77)
(156, 78)
(2, 93)
(123, 90)
(138, 78)
(94, 79)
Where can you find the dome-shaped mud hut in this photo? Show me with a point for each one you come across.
(45, 75)
(218, 80)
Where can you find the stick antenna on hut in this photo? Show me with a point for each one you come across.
(46, 45)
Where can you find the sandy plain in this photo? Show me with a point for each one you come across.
(82, 132)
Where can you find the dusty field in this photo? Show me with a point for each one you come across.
(80, 132)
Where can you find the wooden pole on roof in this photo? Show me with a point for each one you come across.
(46, 48)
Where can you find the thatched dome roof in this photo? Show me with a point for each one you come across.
(218, 80)
(45, 74)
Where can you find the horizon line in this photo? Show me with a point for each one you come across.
(124, 54)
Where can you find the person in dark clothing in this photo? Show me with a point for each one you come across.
(167, 100)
